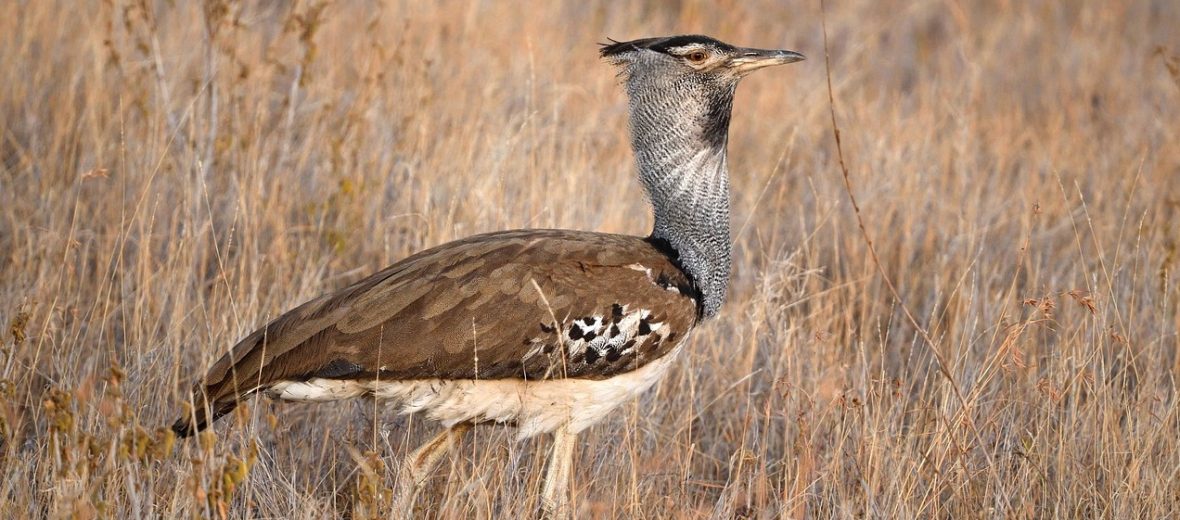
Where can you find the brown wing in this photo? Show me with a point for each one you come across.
(527, 304)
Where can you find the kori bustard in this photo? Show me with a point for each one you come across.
(544, 330)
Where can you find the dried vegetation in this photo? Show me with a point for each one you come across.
(174, 173)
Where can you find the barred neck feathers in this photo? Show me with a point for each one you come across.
(679, 130)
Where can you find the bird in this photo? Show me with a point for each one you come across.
(544, 330)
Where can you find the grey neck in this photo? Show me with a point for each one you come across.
(679, 133)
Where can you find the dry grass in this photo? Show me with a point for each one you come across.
(171, 175)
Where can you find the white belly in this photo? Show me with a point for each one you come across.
(535, 407)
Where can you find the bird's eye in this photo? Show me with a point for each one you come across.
(697, 56)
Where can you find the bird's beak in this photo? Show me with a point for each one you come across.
(750, 60)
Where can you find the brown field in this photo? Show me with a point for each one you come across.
(174, 174)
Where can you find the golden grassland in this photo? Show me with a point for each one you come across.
(173, 174)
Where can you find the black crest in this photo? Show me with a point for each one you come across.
(615, 48)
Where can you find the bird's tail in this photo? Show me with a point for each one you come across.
(205, 409)
(220, 390)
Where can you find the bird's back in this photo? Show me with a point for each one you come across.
(526, 305)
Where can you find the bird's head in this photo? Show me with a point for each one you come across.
(693, 58)
(681, 87)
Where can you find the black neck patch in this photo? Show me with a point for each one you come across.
(691, 290)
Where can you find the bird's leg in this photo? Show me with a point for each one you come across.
(555, 493)
(418, 465)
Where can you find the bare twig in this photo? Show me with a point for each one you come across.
(943, 366)
(860, 223)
